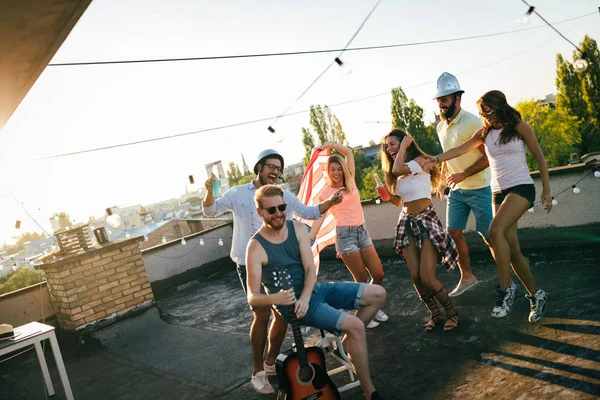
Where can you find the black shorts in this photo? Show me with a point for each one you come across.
(526, 191)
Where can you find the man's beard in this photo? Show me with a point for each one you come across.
(445, 114)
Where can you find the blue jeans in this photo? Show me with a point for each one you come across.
(460, 204)
(325, 303)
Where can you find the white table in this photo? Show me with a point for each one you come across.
(32, 334)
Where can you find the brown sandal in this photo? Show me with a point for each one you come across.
(434, 311)
(451, 313)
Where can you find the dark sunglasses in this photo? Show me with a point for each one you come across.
(272, 210)
(487, 113)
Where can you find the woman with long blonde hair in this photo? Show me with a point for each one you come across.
(353, 242)
(420, 236)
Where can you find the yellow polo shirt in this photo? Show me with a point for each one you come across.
(456, 133)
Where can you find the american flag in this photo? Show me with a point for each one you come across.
(313, 182)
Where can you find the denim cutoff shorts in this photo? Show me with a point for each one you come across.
(326, 305)
(352, 238)
(410, 233)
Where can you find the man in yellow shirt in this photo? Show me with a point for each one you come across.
(467, 175)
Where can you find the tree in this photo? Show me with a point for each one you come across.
(556, 130)
(579, 93)
(327, 128)
(29, 237)
(308, 141)
(233, 174)
(407, 115)
(19, 279)
(367, 189)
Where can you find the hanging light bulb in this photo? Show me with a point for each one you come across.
(201, 242)
(145, 238)
(344, 67)
(193, 187)
(580, 65)
(531, 210)
(220, 242)
(114, 220)
(183, 242)
(597, 173)
(17, 224)
(164, 239)
(377, 201)
(554, 202)
(127, 235)
(576, 189)
(14, 267)
(271, 129)
(524, 19)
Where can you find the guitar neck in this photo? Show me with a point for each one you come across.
(298, 338)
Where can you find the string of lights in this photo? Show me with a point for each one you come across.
(237, 124)
(581, 64)
(318, 51)
(337, 60)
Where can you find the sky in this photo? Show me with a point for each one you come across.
(76, 108)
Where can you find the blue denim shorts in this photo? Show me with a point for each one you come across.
(460, 204)
(422, 230)
(352, 238)
(326, 305)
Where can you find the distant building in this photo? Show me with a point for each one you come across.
(294, 169)
(370, 152)
(245, 166)
(548, 101)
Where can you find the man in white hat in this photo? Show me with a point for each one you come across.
(246, 221)
(467, 176)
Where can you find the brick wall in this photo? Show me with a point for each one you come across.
(102, 283)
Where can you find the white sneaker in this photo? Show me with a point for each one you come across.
(381, 316)
(505, 301)
(372, 324)
(261, 384)
(538, 305)
(269, 369)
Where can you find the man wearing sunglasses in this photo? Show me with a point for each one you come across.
(467, 176)
(280, 259)
(246, 221)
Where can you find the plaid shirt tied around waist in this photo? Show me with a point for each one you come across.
(428, 220)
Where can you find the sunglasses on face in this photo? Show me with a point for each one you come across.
(487, 113)
(272, 210)
(273, 167)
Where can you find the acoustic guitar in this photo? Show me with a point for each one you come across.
(301, 372)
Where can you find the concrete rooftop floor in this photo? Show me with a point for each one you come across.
(194, 344)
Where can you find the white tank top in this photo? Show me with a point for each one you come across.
(507, 161)
(416, 185)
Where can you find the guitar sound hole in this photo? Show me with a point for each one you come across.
(305, 374)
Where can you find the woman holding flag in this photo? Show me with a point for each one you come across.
(353, 243)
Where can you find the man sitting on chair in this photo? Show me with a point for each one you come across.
(281, 245)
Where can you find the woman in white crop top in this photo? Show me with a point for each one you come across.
(505, 136)
(420, 235)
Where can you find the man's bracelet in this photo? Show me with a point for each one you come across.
(437, 160)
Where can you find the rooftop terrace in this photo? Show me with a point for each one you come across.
(194, 344)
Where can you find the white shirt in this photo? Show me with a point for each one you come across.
(508, 162)
(246, 221)
(414, 186)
